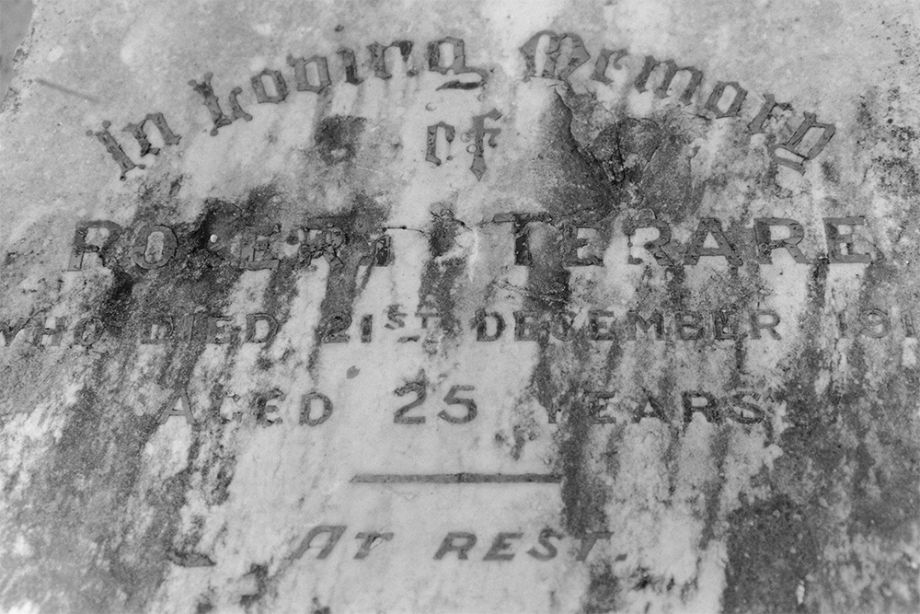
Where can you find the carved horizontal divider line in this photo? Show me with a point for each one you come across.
(456, 478)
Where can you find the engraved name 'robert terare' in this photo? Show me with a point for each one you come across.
(560, 57)
(327, 246)
(649, 239)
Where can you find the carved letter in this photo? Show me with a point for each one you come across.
(499, 545)
(576, 239)
(88, 331)
(808, 124)
(482, 325)
(468, 540)
(588, 541)
(671, 70)
(219, 330)
(757, 323)
(656, 246)
(111, 145)
(306, 405)
(458, 66)
(334, 531)
(302, 77)
(765, 244)
(724, 324)
(603, 61)
(379, 59)
(712, 104)
(745, 412)
(874, 322)
(597, 402)
(840, 244)
(651, 408)
(696, 401)
(769, 103)
(153, 247)
(140, 133)
(267, 414)
(180, 406)
(157, 330)
(351, 66)
(370, 539)
(380, 252)
(252, 321)
(529, 326)
(601, 331)
(551, 550)
(8, 331)
(109, 232)
(710, 226)
(258, 86)
(479, 133)
(519, 222)
(578, 56)
(211, 102)
(54, 332)
(255, 247)
(432, 141)
(689, 325)
(634, 321)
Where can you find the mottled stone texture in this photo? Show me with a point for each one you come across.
(329, 291)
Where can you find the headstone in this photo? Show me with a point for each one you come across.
(443, 307)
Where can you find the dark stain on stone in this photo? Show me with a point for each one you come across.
(95, 554)
(443, 230)
(440, 277)
(849, 476)
(830, 172)
(78, 500)
(189, 559)
(649, 160)
(279, 293)
(355, 245)
(320, 609)
(521, 436)
(603, 591)
(625, 149)
(891, 148)
(114, 309)
(579, 193)
(642, 579)
(337, 138)
(713, 488)
(772, 549)
(641, 167)
(260, 574)
(219, 490)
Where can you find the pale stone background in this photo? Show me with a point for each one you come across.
(14, 23)
(105, 510)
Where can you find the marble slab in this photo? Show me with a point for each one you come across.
(461, 307)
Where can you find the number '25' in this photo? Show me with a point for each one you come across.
(419, 387)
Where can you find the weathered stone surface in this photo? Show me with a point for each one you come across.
(461, 307)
